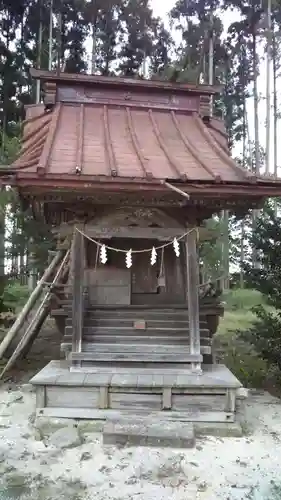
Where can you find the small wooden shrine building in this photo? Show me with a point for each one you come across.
(126, 171)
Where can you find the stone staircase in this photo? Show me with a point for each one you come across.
(136, 334)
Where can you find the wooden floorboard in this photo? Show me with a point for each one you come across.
(120, 356)
(99, 414)
(213, 376)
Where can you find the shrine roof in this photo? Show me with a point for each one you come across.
(99, 140)
(94, 135)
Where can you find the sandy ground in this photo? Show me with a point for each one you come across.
(218, 468)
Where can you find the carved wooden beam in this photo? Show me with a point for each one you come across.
(158, 233)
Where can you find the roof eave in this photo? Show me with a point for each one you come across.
(74, 79)
(91, 183)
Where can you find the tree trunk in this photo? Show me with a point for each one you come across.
(256, 128)
(2, 245)
(242, 237)
(268, 78)
(94, 38)
(50, 58)
(39, 52)
(275, 110)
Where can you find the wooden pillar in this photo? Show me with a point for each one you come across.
(193, 297)
(77, 287)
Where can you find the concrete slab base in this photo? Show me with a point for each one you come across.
(148, 433)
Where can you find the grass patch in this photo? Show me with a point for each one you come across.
(235, 320)
(239, 356)
(242, 360)
(238, 313)
(242, 299)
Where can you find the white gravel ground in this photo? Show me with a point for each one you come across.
(218, 468)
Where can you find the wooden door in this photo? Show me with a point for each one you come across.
(144, 276)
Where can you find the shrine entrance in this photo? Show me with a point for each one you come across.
(113, 283)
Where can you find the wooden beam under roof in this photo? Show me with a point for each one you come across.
(149, 233)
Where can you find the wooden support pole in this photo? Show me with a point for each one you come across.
(192, 297)
(35, 324)
(78, 255)
(42, 316)
(29, 304)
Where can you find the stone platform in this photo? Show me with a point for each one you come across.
(113, 392)
(149, 433)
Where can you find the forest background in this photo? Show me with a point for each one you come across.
(198, 41)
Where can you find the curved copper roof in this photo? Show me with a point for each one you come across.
(126, 142)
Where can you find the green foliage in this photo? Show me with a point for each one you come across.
(242, 299)
(242, 341)
(210, 252)
(12, 300)
(15, 296)
(10, 147)
(265, 335)
(267, 240)
(243, 360)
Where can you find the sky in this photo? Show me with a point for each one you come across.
(161, 7)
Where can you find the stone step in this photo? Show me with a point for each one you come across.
(148, 432)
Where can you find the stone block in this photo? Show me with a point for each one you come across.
(67, 437)
(134, 432)
(218, 429)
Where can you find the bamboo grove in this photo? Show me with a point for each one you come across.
(199, 42)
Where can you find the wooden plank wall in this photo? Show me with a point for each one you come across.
(144, 280)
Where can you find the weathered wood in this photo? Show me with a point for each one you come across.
(41, 318)
(98, 414)
(230, 400)
(66, 347)
(148, 233)
(150, 310)
(29, 304)
(217, 377)
(174, 339)
(103, 397)
(139, 349)
(202, 402)
(78, 253)
(167, 398)
(70, 397)
(148, 357)
(136, 401)
(40, 397)
(35, 324)
(192, 294)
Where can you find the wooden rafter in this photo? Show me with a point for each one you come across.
(80, 142)
(136, 145)
(164, 148)
(220, 151)
(43, 163)
(191, 149)
(108, 144)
